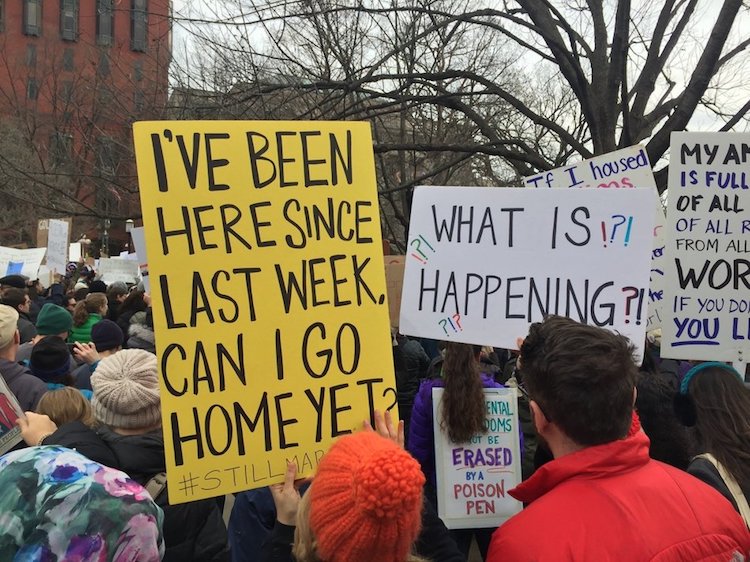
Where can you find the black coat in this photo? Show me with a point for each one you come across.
(704, 470)
(193, 530)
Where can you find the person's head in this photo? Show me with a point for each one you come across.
(106, 336)
(669, 439)
(50, 361)
(17, 298)
(66, 405)
(94, 303)
(580, 380)
(715, 402)
(9, 338)
(53, 320)
(80, 293)
(463, 410)
(70, 303)
(101, 513)
(135, 301)
(365, 503)
(126, 391)
(98, 286)
(15, 281)
(117, 291)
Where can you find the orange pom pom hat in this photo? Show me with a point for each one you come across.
(366, 501)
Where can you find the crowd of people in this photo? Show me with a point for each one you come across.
(620, 461)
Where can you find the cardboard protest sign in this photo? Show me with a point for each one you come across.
(394, 280)
(10, 411)
(265, 253)
(139, 243)
(118, 269)
(625, 168)
(473, 478)
(21, 262)
(708, 248)
(58, 236)
(485, 263)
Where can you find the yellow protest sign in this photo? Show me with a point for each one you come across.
(270, 309)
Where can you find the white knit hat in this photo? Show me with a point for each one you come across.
(8, 324)
(126, 390)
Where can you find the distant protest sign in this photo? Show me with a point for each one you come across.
(708, 248)
(25, 262)
(484, 263)
(58, 240)
(139, 242)
(473, 478)
(265, 259)
(394, 279)
(626, 168)
(118, 269)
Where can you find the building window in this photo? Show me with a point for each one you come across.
(68, 59)
(138, 70)
(69, 19)
(103, 68)
(2, 15)
(138, 101)
(106, 157)
(104, 22)
(138, 20)
(32, 17)
(60, 148)
(67, 91)
(32, 89)
(31, 56)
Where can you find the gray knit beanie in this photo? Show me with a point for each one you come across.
(126, 390)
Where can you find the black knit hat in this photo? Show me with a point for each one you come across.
(98, 286)
(50, 359)
(17, 281)
(106, 335)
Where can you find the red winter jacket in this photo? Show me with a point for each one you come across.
(613, 503)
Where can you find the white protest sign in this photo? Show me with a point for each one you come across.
(473, 478)
(118, 269)
(626, 168)
(139, 243)
(57, 245)
(482, 264)
(74, 251)
(21, 262)
(708, 248)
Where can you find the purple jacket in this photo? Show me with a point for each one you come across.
(421, 442)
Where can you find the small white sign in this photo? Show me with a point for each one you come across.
(139, 242)
(118, 269)
(21, 262)
(473, 479)
(57, 245)
(622, 169)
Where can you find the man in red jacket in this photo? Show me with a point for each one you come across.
(602, 498)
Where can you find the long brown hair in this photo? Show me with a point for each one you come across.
(92, 304)
(722, 426)
(463, 411)
(65, 405)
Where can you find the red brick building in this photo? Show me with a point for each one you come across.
(74, 75)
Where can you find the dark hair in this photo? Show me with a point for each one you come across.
(93, 303)
(722, 426)
(654, 404)
(13, 297)
(463, 408)
(134, 301)
(582, 378)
